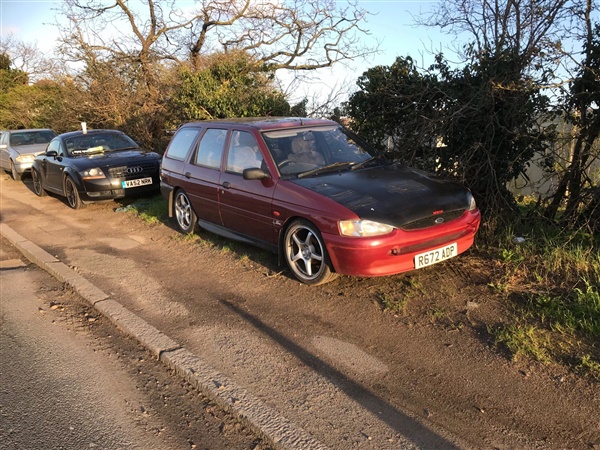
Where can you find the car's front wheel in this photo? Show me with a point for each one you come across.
(184, 213)
(73, 198)
(13, 171)
(306, 255)
(37, 183)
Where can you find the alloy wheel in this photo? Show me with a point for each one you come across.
(306, 255)
(184, 214)
(37, 183)
(72, 194)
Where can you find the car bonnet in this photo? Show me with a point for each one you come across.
(34, 149)
(113, 158)
(392, 194)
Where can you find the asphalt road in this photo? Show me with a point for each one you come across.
(326, 358)
(69, 380)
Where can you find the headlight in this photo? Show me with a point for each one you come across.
(93, 174)
(25, 158)
(472, 204)
(363, 228)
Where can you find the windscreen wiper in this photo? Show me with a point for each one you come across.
(327, 168)
(125, 148)
(366, 162)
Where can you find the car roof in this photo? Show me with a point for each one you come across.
(29, 129)
(264, 123)
(88, 133)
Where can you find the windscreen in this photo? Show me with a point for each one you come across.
(99, 143)
(20, 138)
(299, 150)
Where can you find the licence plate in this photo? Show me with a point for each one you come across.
(434, 256)
(136, 183)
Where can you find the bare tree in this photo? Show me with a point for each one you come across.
(293, 34)
(582, 111)
(533, 30)
(29, 59)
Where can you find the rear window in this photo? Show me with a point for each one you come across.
(181, 143)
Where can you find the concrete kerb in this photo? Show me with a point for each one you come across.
(274, 428)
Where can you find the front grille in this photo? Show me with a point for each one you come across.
(430, 221)
(148, 169)
(432, 243)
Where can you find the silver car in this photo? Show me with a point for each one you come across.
(18, 148)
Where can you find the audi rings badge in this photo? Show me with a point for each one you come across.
(134, 170)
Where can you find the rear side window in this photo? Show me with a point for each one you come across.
(211, 148)
(181, 143)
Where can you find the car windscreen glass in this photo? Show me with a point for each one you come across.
(305, 149)
(86, 144)
(31, 137)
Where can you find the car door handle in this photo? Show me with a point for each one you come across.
(187, 175)
(226, 185)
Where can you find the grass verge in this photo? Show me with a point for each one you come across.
(552, 279)
(151, 210)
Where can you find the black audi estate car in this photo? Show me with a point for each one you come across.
(95, 165)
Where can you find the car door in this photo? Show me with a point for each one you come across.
(53, 167)
(202, 172)
(246, 205)
(4, 151)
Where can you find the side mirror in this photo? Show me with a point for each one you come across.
(3, 147)
(52, 153)
(255, 173)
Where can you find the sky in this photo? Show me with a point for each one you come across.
(390, 23)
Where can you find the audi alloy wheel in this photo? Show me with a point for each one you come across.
(37, 183)
(73, 198)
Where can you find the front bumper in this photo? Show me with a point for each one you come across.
(23, 167)
(110, 189)
(394, 253)
(166, 191)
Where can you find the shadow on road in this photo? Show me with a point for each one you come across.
(411, 429)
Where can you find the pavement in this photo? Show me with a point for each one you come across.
(275, 429)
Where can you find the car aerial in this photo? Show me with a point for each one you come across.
(95, 165)
(18, 148)
(316, 194)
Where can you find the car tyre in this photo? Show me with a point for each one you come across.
(184, 214)
(37, 183)
(72, 195)
(13, 171)
(306, 254)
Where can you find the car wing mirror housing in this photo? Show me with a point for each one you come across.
(255, 173)
(52, 153)
(3, 146)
